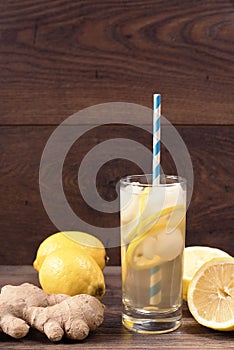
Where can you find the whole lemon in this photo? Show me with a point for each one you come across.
(71, 240)
(65, 271)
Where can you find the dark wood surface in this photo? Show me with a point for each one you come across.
(25, 223)
(111, 333)
(58, 57)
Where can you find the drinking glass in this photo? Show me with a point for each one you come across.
(152, 245)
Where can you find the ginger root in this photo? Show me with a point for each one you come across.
(54, 314)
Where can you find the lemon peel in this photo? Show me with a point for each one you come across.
(66, 272)
(71, 240)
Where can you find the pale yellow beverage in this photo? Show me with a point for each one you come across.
(152, 245)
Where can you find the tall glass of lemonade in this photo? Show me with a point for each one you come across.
(152, 244)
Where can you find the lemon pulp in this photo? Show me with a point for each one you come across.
(194, 258)
(211, 294)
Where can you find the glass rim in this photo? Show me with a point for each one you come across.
(126, 180)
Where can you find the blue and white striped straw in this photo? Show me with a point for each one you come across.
(156, 138)
(155, 272)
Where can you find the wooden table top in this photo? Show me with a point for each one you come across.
(111, 334)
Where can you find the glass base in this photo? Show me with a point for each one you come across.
(151, 322)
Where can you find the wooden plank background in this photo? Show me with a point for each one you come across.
(58, 57)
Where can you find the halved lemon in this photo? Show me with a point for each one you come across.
(211, 294)
(194, 258)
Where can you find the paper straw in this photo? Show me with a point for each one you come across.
(155, 272)
(156, 139)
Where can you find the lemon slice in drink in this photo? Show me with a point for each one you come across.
(155, 205)
(140, 253)
(211, 294)
(194, 258)
(156, 244)
(168, 218)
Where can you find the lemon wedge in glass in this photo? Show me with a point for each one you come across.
(160, 240)
(168, 218)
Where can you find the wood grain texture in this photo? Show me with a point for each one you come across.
(24, 222)
(111, 333)
(57, 57)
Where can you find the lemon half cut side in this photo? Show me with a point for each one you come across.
(194, 258)
(211, 294)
